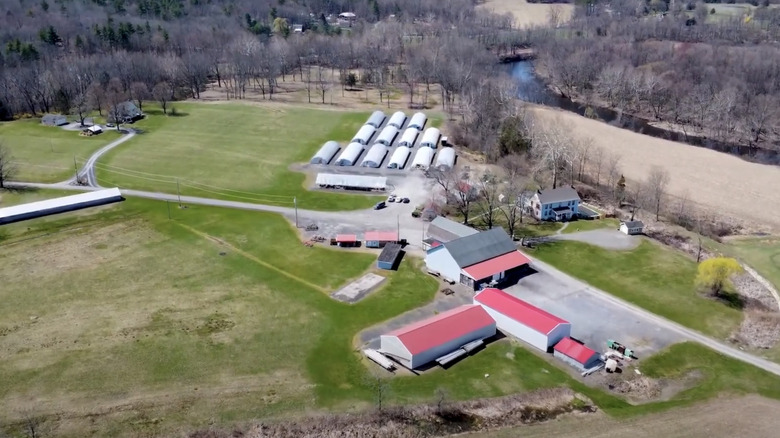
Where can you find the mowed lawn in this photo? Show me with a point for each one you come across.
(232, 151)
(216, 315)
(653, 277)
(46, 153)
(589, 225)
(762, 254)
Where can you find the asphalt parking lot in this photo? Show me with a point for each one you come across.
(593, 319)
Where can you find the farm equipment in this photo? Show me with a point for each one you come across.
(312, 227)
(620, 348)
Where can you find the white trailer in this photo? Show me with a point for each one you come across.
(397, 119)
(430, 138)
(418, 121)
(446, 159)
(409, 137)
(423, 158)
(376, 119)
(326, 153)
(375, 156)
(387, 135)
(364, 135)
(399, 157)
(350, 155)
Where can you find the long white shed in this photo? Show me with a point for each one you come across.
(326, 153)
(418, 121)
(350, 154)
(376, 119)
(399, 157)
(387, 135)
(63, 204)
(375, 156)
(445, 160)
(522, 320)
(397, 119)
(409, 137)
(430, 138)
(359, 182)
(364, 134)
(423, 158)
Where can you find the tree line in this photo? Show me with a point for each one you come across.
(718, 79)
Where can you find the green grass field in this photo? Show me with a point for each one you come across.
(44, 153)
(197, 336)
(218, 316)
(761, 254)
(232, 151)
(650, 276)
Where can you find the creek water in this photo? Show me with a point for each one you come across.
(533, 89)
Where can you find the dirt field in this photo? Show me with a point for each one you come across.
(747, 417)
(527, 14)
(724, 184)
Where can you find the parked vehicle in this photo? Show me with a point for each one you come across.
(380, 205)
(405, 200)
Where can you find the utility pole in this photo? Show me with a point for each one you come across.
(178, 192)
(295, 203)
(168, 204)
(75, 170)
(398, 218)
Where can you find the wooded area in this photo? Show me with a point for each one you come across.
(673, 63)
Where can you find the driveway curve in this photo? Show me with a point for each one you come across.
(87, 172)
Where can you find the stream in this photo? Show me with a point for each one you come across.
(532, 89)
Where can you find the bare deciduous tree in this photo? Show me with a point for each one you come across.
(552, 147)
(656, 184)
(489, 198)
(139, 92)
(162, 93)
(7, 165)
(116, 96)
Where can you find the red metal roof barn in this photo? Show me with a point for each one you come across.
(522, 320)
(430, 339)
(576, 354)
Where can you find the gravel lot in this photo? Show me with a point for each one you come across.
(593, 319)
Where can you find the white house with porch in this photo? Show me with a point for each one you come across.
(560, 204)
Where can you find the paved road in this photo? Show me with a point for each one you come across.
(87, 172)
(358, 219)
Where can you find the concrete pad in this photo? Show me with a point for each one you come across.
(593, 319)
(358, 289)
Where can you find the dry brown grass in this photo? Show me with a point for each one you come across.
(721, 183)
(745, 417)
(527, 14)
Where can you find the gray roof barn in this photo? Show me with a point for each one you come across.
(445, 230)
(560, 194)
(54, 120)
(634, 224)
(479, 247)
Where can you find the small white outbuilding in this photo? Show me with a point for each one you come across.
(364, 135)
(631, 227)
(430, 138)
(397, 119)
(375, 156)
(399, 158)
(350, 155)
(409, 137)
(422, 159)
(326, 153)
(387, 135)
(446, 159)
(418, 121)
(376, 119)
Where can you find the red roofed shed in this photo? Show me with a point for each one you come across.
(346, 240)
(576, 354)
(522, 320)
(378, 239)
(423, 342)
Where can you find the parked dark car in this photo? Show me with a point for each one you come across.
(380, 205)
(405, 200)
